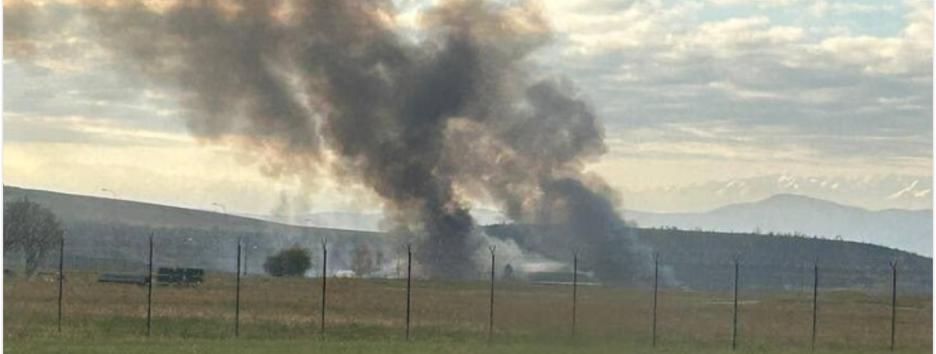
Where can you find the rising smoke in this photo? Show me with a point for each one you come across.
(427, 117)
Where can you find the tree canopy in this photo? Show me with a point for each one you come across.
(31, 229)
(293, 261)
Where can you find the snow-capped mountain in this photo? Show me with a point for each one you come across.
(873, 193)
(908, 230)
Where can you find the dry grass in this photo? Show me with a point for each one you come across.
(373, 311)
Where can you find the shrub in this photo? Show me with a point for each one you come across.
(293, 261)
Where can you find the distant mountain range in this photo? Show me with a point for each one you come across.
(872, 193)
(908, 230)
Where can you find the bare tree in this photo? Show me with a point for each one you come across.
(31, 229)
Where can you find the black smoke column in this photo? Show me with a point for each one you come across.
(427, 118)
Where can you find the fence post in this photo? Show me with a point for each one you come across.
(324, 284)
(734, 327)
(656, 274)
(815, 301)
(893, 306)
(491, 314)
(574, 288)
(246, 252)
(237, 292)
(149, 296)
(409, 270)
(61, 280)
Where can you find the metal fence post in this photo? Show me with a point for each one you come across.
(734, 327)
(61, 280)
(491, 314)
(237, 292)
(324, 284)
(656, 274)
(893, 306)
(815, 302)
(574, 289)
(149, 296)
(409, 270)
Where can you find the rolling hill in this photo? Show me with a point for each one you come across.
(112, 235)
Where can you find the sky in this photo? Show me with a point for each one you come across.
(690, 93)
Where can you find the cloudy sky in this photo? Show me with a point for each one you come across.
(691, 93)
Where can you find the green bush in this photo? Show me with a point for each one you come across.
(289, 262)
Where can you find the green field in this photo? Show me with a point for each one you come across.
(281, 316)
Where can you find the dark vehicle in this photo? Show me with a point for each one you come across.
(124, 279)
(180, 276)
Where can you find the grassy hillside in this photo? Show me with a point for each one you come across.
(703, 260)
(112, 235)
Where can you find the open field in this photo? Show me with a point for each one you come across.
(281, 315)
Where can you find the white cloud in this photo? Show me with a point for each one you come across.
(650, 63)
(635, 24)
(908, 53)
(821, 8)
(739, 35)
(733, 89)
(758, 3)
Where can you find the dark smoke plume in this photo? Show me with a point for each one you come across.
(427, 118)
